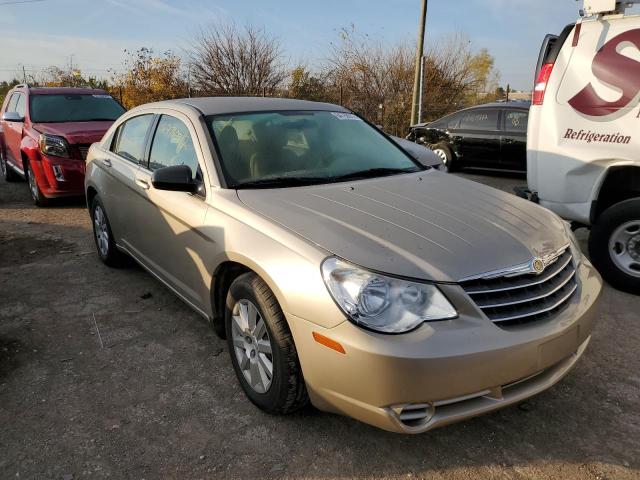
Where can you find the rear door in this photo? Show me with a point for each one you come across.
(477, 138)
(513, 140)
(121, 165)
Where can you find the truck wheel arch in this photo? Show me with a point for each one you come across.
(617, 184)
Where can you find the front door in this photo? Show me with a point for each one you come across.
(169, 234)
(477, 138)
(13, 130)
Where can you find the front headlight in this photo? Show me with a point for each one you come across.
(381, 303)
(52, 145)
(576, 252)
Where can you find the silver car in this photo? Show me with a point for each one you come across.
(341, 270)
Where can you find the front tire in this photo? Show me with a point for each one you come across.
(614, 245)
(261, 347)
(443, 151)
(103, 236)
(36, 194)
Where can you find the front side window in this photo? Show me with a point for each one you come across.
(172, 145)
(11, 106)
(479, 120)
(276, 149)
(55, 108)
(515, 121)
(21, 106)
(131, 136)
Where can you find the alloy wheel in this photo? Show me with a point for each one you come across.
(252, 345)
(624, 247)
(443, 156)
(101, 230)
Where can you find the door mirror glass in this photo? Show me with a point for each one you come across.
(12, 117)
(176, 178)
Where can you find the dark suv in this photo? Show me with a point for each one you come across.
(490, 136)
(45, 134)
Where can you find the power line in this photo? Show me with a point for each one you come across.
(15, 2)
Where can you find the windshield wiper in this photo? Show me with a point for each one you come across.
(372, 173)
(281, 182)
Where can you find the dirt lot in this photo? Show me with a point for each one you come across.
(104, 373)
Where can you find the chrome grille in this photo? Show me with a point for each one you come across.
(526, 297)
(84, 151)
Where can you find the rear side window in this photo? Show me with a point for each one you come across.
(479, 120)
(172, 145)
(515, 121)
(131, 136)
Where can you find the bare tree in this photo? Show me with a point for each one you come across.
(456, 77)
(376, 80)
(226, 60)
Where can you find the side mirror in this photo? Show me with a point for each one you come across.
(12, 117)
(178, 178)
(421, 153)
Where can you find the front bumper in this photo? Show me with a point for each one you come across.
(59, 177)
(444, 371)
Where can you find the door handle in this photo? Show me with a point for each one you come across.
(106, 162)
(142, 184)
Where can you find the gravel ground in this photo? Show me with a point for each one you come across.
(104, 373)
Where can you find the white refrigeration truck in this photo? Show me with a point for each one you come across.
(583, 146)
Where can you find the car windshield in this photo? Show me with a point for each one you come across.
(291, 148)
(74, 108)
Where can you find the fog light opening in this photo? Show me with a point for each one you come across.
(57, 172)
(414, 414)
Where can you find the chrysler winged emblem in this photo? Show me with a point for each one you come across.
(537, 265)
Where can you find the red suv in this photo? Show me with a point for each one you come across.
(45, 134)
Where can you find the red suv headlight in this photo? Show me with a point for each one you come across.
(52, 145)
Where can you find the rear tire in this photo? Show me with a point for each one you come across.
(103, 237)
(6, 171)
(443, 151)
(36, 194)
(614, 245)
(259, 340)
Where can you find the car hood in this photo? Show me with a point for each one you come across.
(75, 132)
(426, 225)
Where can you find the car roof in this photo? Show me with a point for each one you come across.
(61, 90)
(222, 105)
(521, 104)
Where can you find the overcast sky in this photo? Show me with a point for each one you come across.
(45, 32)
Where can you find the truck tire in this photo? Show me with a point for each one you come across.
(614, 245)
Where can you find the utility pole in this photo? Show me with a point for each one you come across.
(419, 54)
(421, 88)
(24, 75)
